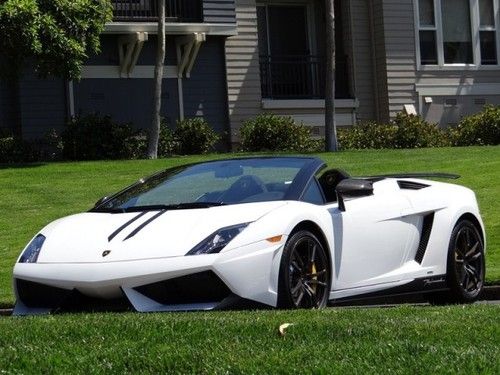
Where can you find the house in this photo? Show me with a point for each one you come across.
(119, 81)
(229, 60)
(436, 58)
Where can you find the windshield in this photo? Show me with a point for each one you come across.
(211, 183)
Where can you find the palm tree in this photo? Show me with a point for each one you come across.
(330, 126)
(154, 131)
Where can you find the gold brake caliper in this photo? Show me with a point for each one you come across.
(315, 277)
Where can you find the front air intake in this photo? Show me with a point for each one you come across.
(202, 287)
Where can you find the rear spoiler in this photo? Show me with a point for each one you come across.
(450, 176)
(418, 175)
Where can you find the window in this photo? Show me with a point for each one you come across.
(457, 32)
(487, 32)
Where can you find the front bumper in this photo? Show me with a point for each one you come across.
(249, 272)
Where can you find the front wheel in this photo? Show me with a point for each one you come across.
(465, 270)
(304, 278)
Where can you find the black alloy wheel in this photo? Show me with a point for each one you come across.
(304, 280)
(466, 262)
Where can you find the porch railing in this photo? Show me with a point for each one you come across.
(147, 10)
(299, 77)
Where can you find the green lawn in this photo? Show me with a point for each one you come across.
(403, 340)
(33, 195)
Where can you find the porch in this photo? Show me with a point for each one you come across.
(181, 11)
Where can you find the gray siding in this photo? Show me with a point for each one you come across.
(219, 11)
(130, 100)
(242, 67)
(205, 93)
(399, 35)
(42, 105)
(125, 100)
(9, 121)
(359, 41)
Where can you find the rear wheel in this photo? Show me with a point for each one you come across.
(304, 279)
(466, 262)
(465, 270)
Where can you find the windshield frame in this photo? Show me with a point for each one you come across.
(295, 192)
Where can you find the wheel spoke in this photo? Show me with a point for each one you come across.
(315, 282)
(296, 288)
(475, 256)
(316, 274)
(299, 298)
(296, 266)
(308, 290)
(471, 251)
(313, 255)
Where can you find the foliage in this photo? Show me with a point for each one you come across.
(368, 135)
(14, 150)
(406, 131)
(480, 129)
(269, 132)
(194, 136)
(56, 35)
(414, 132)
(95, 137)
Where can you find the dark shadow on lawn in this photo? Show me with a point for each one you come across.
(20, 165)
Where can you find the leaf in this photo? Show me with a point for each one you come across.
(283, 327)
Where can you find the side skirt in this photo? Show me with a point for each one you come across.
(416, 286)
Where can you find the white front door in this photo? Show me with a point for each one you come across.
(371, 240)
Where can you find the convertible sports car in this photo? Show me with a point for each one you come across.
(278, 231)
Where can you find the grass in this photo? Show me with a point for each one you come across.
(403, 340)
(450, 339)
(33, 195)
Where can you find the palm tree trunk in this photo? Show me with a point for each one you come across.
(154, 131)
(330, 126)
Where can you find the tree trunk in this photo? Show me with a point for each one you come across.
(330, 126)
(154, 132)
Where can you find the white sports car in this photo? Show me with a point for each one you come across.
(277, 231)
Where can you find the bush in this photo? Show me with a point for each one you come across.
(95, 137)
(14, 150)
(480, 129)
(414, 132)
(367, 135)
(276, 133)
(194, 136)
(406, 131)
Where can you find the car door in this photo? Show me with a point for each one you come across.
(372, 237)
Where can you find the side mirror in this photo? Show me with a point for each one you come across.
(100, 201)
(353, 188)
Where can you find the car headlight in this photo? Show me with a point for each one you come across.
(217, 240)
(30, 255)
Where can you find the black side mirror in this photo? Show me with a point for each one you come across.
(101, 201)
(353, 188)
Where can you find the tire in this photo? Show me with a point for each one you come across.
(304, 277)
(465, 265)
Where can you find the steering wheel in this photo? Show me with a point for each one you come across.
(242, 188)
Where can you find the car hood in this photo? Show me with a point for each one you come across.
(83, 238)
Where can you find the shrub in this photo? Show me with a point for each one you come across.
(14, 150)
(414, 132)
(94, 137)
(479, 129)
(194, 136)
(367, 135)
(406, 131)
(276, 133)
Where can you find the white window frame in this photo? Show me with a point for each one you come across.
(475, 28)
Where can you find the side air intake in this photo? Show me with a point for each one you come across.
(424, 237)
(411, 185)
